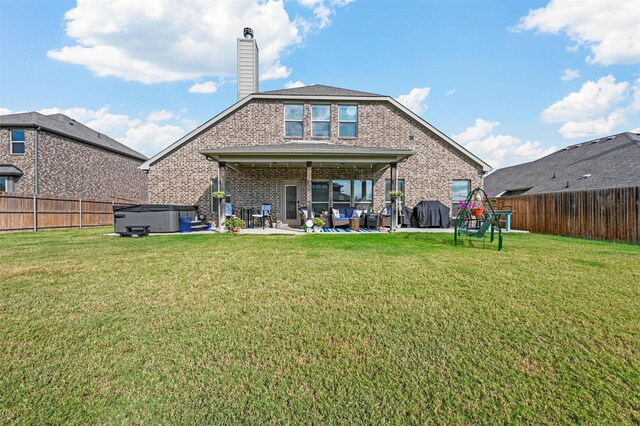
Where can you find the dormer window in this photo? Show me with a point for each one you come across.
(17, 142)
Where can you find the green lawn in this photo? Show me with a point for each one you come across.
(402, 328)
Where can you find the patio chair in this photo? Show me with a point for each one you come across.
(263, 214)
(380, 219)
(302, 214)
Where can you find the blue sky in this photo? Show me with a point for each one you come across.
(511, 80)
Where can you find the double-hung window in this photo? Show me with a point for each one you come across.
(387, 190)
(320, 121)
(348, 121)
(17, 142)
(352, 193)
(3, 184)
(320, 196)
(293, 120)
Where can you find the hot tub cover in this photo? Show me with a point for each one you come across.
(431, 214)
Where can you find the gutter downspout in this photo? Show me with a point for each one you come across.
(36, 185)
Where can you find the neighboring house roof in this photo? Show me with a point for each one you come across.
(66, 126)
(10, 170)
(607, 162)
(318, 90)
(312, 92)
(302, 151)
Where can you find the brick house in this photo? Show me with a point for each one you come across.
(56, 155)
(316, 146)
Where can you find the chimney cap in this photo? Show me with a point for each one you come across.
(248, 33)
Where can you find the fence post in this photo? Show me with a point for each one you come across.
(80, 213)
(35, 213)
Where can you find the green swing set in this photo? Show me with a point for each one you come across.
(477, 218)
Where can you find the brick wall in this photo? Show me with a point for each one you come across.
(74, 169)
(184, 176)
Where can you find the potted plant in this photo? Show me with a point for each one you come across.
(234, 223)
(218, 194)
(396, 195)
(318, 222)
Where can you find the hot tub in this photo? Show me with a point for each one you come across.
(159, 217)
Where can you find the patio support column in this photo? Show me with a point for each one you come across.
(394, 203)
(222, 206)
(309, 190)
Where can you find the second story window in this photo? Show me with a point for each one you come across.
(293, 120)
(348, 120)
(17, 141)
(320, 121)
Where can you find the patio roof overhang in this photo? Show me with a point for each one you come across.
(299, 153)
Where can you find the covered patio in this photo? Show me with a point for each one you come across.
(296, 176)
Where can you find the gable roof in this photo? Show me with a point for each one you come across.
(313, 92)
(608, 162)
(318, 90)
(66, 126)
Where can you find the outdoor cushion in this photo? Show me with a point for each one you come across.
(335, 212)
(356, 214)
(304, 212)
(349, 212)
(343, 212)
(387, 210)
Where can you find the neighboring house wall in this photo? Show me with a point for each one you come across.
(184, 176)
(70, 168)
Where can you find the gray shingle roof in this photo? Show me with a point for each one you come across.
(10, 170)
(319, 90)
(612, 161)
(66, 126)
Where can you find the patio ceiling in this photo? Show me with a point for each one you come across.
(297, 154)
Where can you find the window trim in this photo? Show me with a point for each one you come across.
(12, 142)
(352, 195)
(329, 186)
(284, 116)
(348, 121)
(453, 200)
(320, 121)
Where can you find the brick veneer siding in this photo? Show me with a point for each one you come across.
(184, 175)
(70, 168)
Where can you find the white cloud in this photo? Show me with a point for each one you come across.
(322, 11)
(152, 41)
(416, 99)
(4, 111)
(597, 109)
(609, 30)
(206, 87)
(570, 74)
(450, 92)
(636, 130)
(593, 99)
(293, 84)
(499, 150)
(157, 116)
(596, 127)
(144, 135)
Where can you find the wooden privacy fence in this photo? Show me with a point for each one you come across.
(19, 212)
(609, 214)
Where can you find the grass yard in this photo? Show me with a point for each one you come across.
(402, 328)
